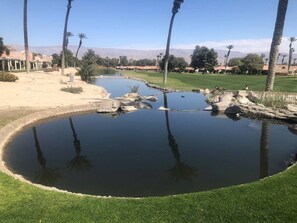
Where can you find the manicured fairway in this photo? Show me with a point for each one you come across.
(186, 81)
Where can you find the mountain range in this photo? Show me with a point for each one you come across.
(130, 53)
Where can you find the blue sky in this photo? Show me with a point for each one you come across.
(143, 24)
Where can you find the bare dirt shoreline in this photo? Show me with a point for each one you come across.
(41, 90)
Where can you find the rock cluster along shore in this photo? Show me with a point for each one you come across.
(127, 103)
(247, 103)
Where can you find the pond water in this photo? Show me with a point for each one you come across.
(150, 152)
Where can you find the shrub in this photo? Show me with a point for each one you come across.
(86, 71)
(73, 90)
(134, 89)
(8, 77)
(274, 100)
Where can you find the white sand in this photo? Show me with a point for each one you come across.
(42, 90)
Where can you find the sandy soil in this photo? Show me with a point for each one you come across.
(39, 90)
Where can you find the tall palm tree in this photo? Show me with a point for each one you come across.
(176, 6)
(294, 60)
(276, 41)
(26, 37)
(229, 47)
(65, 36)
(81, 37)
(68, 34)
(291, 50)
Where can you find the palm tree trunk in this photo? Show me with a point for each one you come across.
(290, 57)
(26, 38)
(167, 49)
(64, 36)
(80, 42)
(276, 41)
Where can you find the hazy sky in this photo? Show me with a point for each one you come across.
(143, 24)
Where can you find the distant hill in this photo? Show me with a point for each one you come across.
(130, 53)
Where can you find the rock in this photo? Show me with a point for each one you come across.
(151, 98)
(197, 90)
(106, 106)
(235, 109)
(162, 108)
(141, 105)
(242, 93)
(208, 108)
(244, 100)
(206, 91)
(292, 107)
(225, 102)
(131, 95)
(213, 98)
(128, 108)
(253, 97)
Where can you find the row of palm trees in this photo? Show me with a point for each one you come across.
(66, 36)
(277, 36)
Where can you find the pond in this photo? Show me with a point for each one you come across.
(150, 152)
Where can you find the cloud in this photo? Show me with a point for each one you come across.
(242, 45)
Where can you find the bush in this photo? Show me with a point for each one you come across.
(274, 100)
(8, 77)
(86, 71)
(73, 90)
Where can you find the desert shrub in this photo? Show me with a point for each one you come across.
(8, 77)
(73, 90)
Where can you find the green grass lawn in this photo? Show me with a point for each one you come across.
(186, 81)
(273, 199)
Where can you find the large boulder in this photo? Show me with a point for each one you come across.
(292, 107)
(106, 106)
(234, 109)
(225, 101)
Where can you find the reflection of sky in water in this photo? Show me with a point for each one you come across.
(151, 152)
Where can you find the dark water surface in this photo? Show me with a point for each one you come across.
(150, 152)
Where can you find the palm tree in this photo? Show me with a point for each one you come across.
(283, 60)
(81, 37)
(176, 6)
(229, 47)
(291, 50)
(276, 41)
(266, 61)
(180, 170)
(46, 175)
(79, 162)
(264, 141)
(65, 36)
(295, 60)
(68, 34)
(3, 48)
(26, 37)
(278, 56)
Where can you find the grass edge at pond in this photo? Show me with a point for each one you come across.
(273, 199)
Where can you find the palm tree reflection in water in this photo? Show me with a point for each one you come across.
(180, 171)
(46, 176)
(79, 162)
(264, 149)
